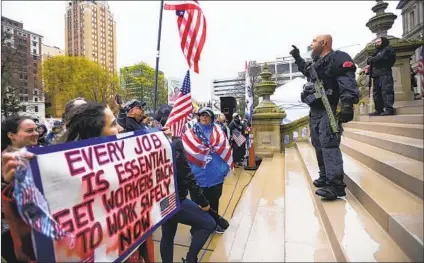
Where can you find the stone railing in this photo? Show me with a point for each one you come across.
(295, 131)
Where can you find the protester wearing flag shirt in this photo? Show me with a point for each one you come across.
(212, 170)
(191, 213)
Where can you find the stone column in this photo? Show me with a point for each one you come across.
(267, 118)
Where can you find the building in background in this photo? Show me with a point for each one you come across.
(413, 24)
(90, 31)
(21, 70)
(48, 52)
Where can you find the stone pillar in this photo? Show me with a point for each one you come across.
(380, 24)
(267, 118)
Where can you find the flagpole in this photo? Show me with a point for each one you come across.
(155, 101)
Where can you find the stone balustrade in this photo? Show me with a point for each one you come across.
(295, 131)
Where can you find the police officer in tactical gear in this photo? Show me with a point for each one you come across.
(381, 64)
(336, 70)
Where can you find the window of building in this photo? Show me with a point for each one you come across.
(283, 68)
(34, 44)
(411, 20)
(36, 108)
(24, 108)
(26, 98)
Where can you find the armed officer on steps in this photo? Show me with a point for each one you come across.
(336, 71)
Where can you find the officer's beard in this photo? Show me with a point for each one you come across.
(315, 54)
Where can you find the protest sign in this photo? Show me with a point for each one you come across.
(111, 193)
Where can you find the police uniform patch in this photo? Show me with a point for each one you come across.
(347, 64)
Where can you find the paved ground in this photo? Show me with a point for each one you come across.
(233, 186)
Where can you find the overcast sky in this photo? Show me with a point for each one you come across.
(236, 31)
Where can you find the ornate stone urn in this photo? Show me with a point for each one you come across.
(267, 118)
(380, 24)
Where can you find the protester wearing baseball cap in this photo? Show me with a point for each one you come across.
(131, 114)
(210, 177)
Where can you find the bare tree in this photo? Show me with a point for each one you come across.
(13, 61)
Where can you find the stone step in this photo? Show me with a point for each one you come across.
(256, 231)
(407, 130)
(353, 232)
(407, 118)
(409, 103)
(306, 239)
(404, 171)
(409, 147)
(410, 110)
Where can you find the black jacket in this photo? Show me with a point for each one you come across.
(128, 123)
(185, 178)
(337, 72)
(382, 60)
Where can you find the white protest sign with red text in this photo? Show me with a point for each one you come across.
(110, 193)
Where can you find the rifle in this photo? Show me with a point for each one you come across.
(320, 93)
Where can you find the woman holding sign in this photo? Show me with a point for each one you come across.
(16, 132)
(88, 120)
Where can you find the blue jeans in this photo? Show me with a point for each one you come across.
(202, 226)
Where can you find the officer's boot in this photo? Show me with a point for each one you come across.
(321, 181)
(333, 189)
(375, 113)
(387, 113)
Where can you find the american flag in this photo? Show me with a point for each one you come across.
(239, 138)
(192, 28)
(168, 204)
(181, 110)
(420, 68)
(198, 153)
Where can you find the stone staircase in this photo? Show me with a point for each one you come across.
(381, 218)
(279, 218)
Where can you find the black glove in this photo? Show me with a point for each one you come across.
(346, 115)
(368, 60)
(295, 52)
(308, 89)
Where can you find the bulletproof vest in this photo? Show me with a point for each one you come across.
(325, 68)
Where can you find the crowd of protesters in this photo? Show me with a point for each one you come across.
(84, 119)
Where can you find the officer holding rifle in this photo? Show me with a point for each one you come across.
(331, 77)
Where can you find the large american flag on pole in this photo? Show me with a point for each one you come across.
(182, 109)
(199, 154)
(192, 28)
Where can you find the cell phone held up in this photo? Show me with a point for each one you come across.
(118, 99)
